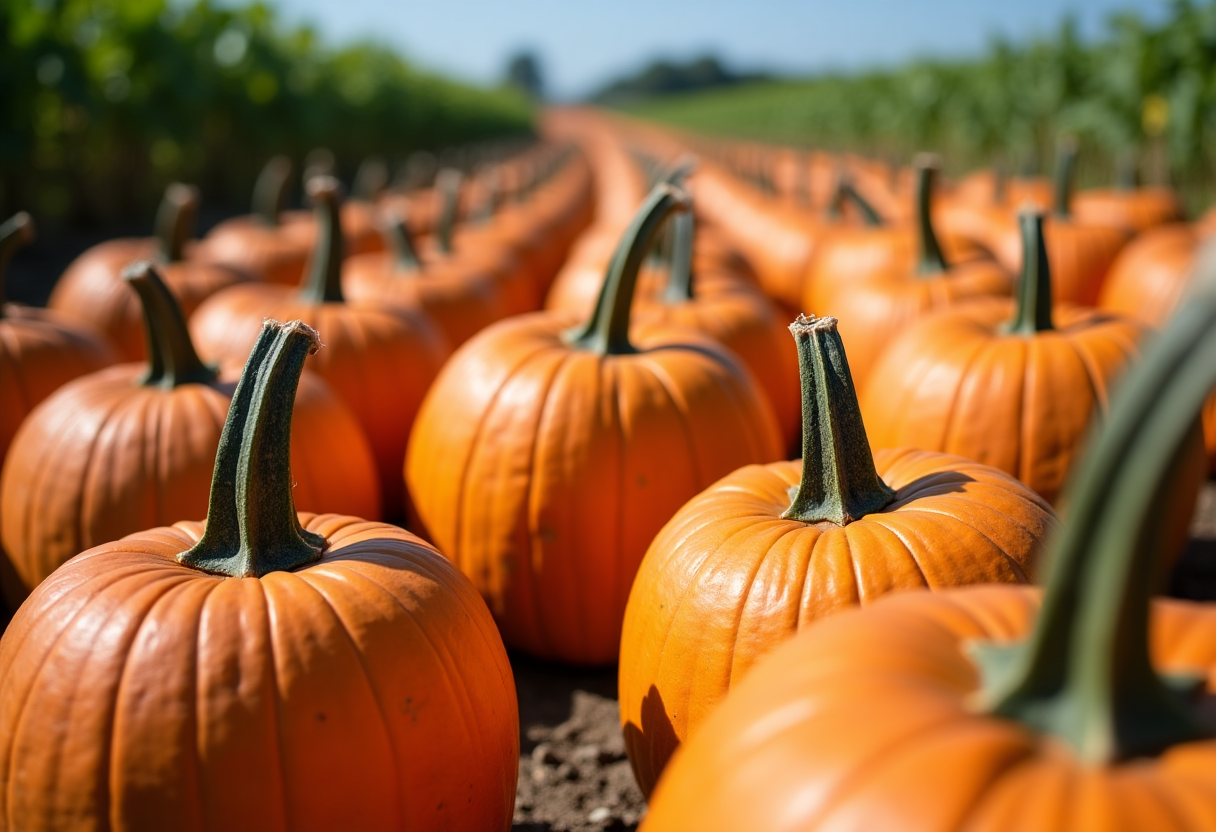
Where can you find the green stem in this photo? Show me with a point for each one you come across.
(1085, 675)
(370, 179)
(492, 181)
(172, 359)
(15, 234)
(931, 260)
(839, 483)
(323, 278)
(175, 221)
(252, 527)
(401, 242)
(678, 171)
(846, 192)
(680, 277)
(1033, 313)
(607, 332)
(448, 183)
(1066, 162)
(270, 191)
(1127, 170)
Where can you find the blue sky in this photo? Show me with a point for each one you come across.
(583, 44)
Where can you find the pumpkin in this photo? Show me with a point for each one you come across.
(39, 351)
(1084, 707)
(1149, 276)
(1080, 253)
(547, 455)
(1010, 383)
(911, 278)
(380, 359)
(742, 566)
(266, 670)
(92, 292)
(1128, 207)
(255, 244)
(461, 302)
(131, 447)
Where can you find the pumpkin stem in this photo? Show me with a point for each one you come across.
(175, 221)
(607, 332)
(370, 180)
(680, 277)
(839, 483)
(323, 278)
(1033, 312)
(1066, 163)
(1085, 674)
(172, 359)
(1127, 170)
(492, 181)
(15, 233)
(802, 176)
(846, 192)
(678, 171)
(448, 183)
(252, 528)
(931, 261)
(400, 239)
(270, 191)
(1000, 181)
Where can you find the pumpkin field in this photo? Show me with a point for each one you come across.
(552, 468)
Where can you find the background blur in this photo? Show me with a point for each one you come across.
(106, 101)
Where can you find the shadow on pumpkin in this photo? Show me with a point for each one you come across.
(651, 745)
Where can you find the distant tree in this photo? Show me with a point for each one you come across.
(523, 73)
(663, 77)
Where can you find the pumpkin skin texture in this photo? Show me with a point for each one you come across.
(544, 468)
(727, 579)
(1149, 276)
(805, 731)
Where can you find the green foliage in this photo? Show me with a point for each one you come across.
(1151, 88)
(105, 101)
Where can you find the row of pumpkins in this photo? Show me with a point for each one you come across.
(606, 479)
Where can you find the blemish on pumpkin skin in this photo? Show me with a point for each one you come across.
(408, 708)
(320, 716)
(641, 481)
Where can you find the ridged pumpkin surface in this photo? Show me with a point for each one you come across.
(368, 691)
(728, 579)
(801, 746)
(545, 470)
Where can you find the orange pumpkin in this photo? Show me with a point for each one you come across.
(547, 456)
(92, 292)
(266, 670)
(1149, 276)
(256, 244)
(381, 359)
(742, 566)
(1080, 253)
(996, 709)
(908, 279)
(1128, 206)
(1011, 384)
(131, 447)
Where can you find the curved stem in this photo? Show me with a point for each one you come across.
(447, 188)
(172, 359)
(400, 241)
(607, 332)
(175, 221)
(1085, 675)
(678, 171)
(270, 191)
(1033, 313)
(846, 192)
(680, 278)
(323, 278)
(252, 528)
(839, 483)
(15, 234)
(1066, 162)
(931, 260)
